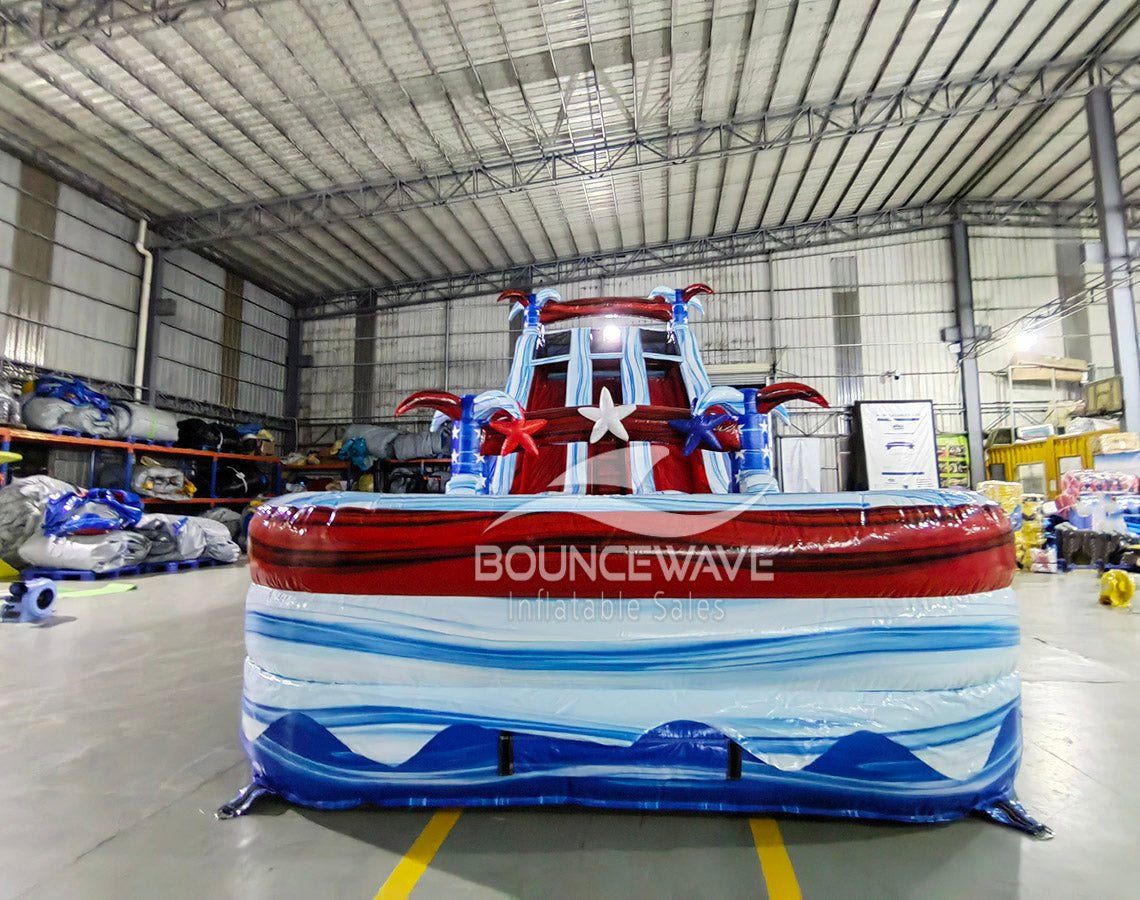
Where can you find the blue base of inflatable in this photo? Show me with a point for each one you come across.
(677, 766)
(152, 568)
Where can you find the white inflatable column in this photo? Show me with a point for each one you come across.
(635, 389)
(518, 386)
(579, 392)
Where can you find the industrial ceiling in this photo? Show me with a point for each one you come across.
(325, 146)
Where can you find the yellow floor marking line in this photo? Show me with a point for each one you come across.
(774, 861)
(417, 859)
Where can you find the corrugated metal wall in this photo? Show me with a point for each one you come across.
(86, 322)
(192, 343)
(89, 277)
(1013, 274)
(264, 345)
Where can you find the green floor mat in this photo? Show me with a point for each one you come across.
(64, 589)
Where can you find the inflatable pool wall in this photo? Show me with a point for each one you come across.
(599, 639)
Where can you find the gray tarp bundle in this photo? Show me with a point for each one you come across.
(187, 537)
(219, 544)
(9, 405)
(52, 414)
(149, 424)
(158, 481)
(172, 537)
(87, 552)
(22, 505)
(125, 420)
(157, 538)
(421, 445)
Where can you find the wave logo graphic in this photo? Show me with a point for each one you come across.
(612, 469)
(633, 562)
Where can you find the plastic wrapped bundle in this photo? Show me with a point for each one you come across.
(146, 423)
(160, 481)
(9, 405)
(86, 553)
(421, 445)
(53, 414)
(22, 506)
(219, 543)
(231, 518)
(91, 512)
(173, 538)
(1088, 481)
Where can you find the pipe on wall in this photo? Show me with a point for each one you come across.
(144, 309)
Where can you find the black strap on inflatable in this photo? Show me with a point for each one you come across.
(735, 760)
(1010, 812)
(242, 802)
(506, 753)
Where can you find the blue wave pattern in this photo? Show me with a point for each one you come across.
(679, 765)
(900, 708)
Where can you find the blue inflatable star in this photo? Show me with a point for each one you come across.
(700, 430)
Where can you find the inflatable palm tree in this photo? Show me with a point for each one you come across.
(750, 408)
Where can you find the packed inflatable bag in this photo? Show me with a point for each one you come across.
(9, 405)
(173, 538)
(153, 480)
(1080, 547)
(257, 440)
(91, 512)
(240, 480)
(52, 414)
(146, 423)
(231, 518)
(199, 434)
(424, 444)
(362, 445)
(86, 552)
(22, 506)
(219, 543)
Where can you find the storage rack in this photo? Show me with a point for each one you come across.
(10, 437)
(381, 470)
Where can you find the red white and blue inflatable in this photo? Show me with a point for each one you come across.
(614, 606)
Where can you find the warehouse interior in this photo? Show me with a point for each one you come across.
(238, 236)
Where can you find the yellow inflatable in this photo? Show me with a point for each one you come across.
(1116, 588)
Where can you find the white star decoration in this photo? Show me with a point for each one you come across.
(607, 417)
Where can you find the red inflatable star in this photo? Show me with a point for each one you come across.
(517, 433)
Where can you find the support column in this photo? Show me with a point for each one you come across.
(1114, 239)
(364, 367)
(154, 311)
(968, 365)
(293, 377)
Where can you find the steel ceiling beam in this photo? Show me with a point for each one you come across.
(707, 251)
(803, 124)
(30, 25)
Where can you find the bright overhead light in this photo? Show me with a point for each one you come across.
(1025, 340)
(611, 335)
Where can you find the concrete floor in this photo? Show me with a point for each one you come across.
(119, 732)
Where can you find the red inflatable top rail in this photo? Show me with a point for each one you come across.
(650, 307)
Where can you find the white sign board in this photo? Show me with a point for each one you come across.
(898, 444)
